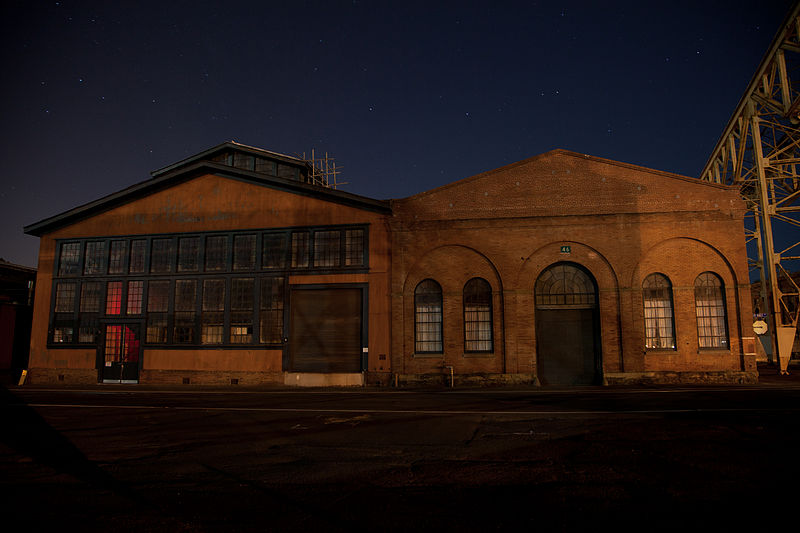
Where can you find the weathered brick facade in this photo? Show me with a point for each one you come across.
(619, 223)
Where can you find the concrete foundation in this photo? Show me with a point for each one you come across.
(680, 378)
(311, 379)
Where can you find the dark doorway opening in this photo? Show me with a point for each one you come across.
(567, 326)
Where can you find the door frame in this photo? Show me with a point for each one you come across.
(101, 344)
(596, 330)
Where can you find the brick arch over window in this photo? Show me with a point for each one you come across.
(712, 316)
(451, 266)
(682, 260)
(659, 312)
(606, 278)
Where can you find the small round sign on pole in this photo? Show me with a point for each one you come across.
(759, 327)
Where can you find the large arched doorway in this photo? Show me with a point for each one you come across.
(567, 329)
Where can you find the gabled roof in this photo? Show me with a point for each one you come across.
(6, 265)
(230, 145)
(199, 165)
(563, 183)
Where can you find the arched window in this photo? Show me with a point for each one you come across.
(709, 303)
(659, 327)
(477, 316)
(428, 317)
(564, 285)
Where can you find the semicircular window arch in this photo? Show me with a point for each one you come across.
(565, 285)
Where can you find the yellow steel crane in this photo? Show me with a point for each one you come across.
(759, 152)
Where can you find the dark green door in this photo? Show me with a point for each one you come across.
(121, 351)
(566, 346)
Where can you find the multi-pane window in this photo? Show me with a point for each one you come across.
(244, 161)
(326, 248)
(271, 310)
(157, 307)
(213, 311)
(184, 318)
(158, 296)
(659, 327)
(300, 249)
(88, 329)
(135, 293)
(161, 256)
(565, 285)
(242, 310)
(138, 277)
(95, 258)
(216, 253)
(709, 302)
(138, 250)
(63, 329)
(70, 259)
(354, 247)
(63, 321)
(428, 317)
(116, 260)
(285, 171)
(65, 298)
(273, 253)
(477, 316)
(114, 298)
(265, 166)
(244, 252)
(188, 254)
(91, 294)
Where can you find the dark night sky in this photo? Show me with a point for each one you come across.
(406, 95)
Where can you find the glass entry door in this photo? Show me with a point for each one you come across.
(121, 349)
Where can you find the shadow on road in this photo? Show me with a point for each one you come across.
(28, 434)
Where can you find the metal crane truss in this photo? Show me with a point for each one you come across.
(759, 151)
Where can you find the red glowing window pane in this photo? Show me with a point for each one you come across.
(113, 343)
(114, 298)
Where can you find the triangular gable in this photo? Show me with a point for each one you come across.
(192, 171)
(559, 183)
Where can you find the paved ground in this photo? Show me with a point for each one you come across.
(136, 458)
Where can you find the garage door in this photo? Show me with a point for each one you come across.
(325, 330)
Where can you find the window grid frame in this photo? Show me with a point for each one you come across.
(720, 318)
(95, 256)
(133, 257)
(657, 324)
(488, 309)
(428, 318)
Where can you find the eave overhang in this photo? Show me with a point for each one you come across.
(192, 168)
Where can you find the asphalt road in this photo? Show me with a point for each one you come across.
(108, 458)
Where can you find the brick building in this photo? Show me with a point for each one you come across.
(232, 267)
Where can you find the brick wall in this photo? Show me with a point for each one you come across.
(620, 223)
